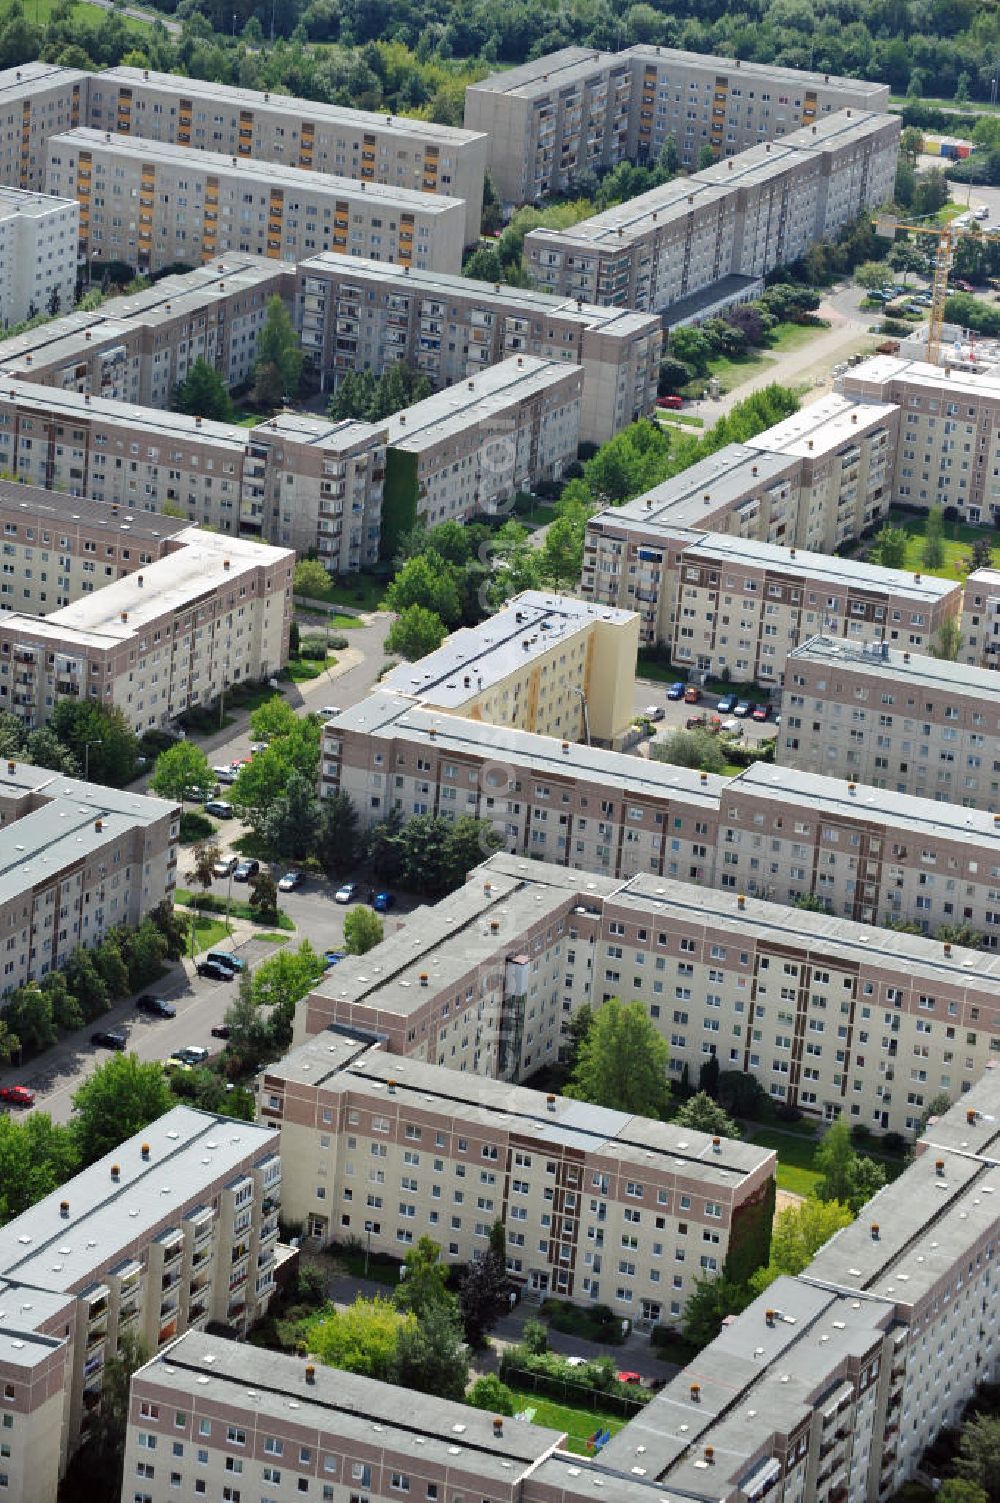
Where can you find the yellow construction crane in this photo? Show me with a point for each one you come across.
(947, 236)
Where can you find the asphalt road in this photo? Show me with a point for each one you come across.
(676, 713)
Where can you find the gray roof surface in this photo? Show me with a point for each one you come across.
(803, 78)
(49, 509)
(43, 1249)
(463, 407)
(32, 205)
(443, 1434)
(822, 568)
(26, 78)
(552, 71)
(895, 669)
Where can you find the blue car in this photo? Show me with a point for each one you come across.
(227, 958)
(676, 691)
(383, 901)
(332, 958)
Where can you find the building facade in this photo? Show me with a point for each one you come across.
(912, 723)
(577, 111)
(77, 859)
(597, 1205)
(151, 204)
(471, 448)
(546, 663)
(37, 100)
(738, 219)
(175, 1228)
(38, 237)
(326, 138)
(139, 347)
(354, 314)
(980, 639)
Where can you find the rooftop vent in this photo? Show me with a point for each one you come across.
(695, 1393)
(64, 1209)
(424, 978)
(876, 1229)
(98, 825)
(550, 1102)
(939, 1166)
(116, 1173)
(310, 1373)
(144, 1150)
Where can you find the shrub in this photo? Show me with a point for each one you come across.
(535, 1338)
(313, 646)
(488, 1392)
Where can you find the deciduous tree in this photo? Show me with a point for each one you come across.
(181, 767)
(622, 1062)
(203, 393)
(706, 1115)
(279, 357)
(363, 930)
(415, 632)
(118, 1100)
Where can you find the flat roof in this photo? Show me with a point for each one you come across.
(253, 169)
(14, 201)
(43, 846)
(821, 568)
(733, 474)
(387, 714)
(152, 422)
(273, 103)
(824, 426)
(551, 72)
(526, 301)
(832, 798)
(187, 1148)
(616, 227)
(449, 1437)
(28, 78)
(528, 626)
(20, 780)
(474, 402)
(805, 78)
(943, 381)
(312, 431)
(22, 1313)
(38, 508)
(335, 1063)
(877, 660)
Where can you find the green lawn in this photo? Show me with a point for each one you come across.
(795, 1159)
(208, 932)
(959, 537)
(301, 670)
(679, 419)
(338, 621)
(793, 336)
(272, 939)
(538, 515)
(365, 591)
(244, 419)
(732, 373)
(578, 1423)
(90, 17)
(209, 903)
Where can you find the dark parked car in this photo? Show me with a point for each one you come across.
(221, 1031)
(246, 870)
(227, 958)
(213, 971)
(157, 1007)
(219, 808)
(383, 901)
(727, 704)
(110, 1038)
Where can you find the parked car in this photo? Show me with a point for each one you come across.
(226, 958)
(219, 808)
(245, 870)
(213, 971)
(704, 721)
(221, 1031)
(110, 1038)
(225, 866)
(628, 1376)
(383, 901)
(982, 212)
(17, 1095)
(742, 709)
(290, 881)
(964, 286)
(673, 403)
(258, 746)
(188, 1057)
(732, 727)
(346, 893)
(727, 704)
(692, 694)
(653, 712)
(676, 691)
(332, 958)
(329, 711)
(196, 795)
(224, 774)
(157, 1007)
(762, 712)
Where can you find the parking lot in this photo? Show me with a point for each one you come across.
(650, 692)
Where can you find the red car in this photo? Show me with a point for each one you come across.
(673, 403)
(761, 712)
(17, 1095)
(628, 1377)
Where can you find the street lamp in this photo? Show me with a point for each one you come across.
(586, 713)
(368, 1245)
(86, 755)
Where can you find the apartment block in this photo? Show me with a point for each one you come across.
(554, 800)
(38, 238)
(151, 204)
(546, 663)
(419, 155)
(472, 447)
(597, 1205)
(728, 604)
(362, 315)
(176, 1227)
(947, 447)
(737, 219)
(580, 111)
(980, 638)
(897, 720)
(210, 613)
(137, 348)
(37, 100)
(77, 859)
(221, 1414)
(296, 481)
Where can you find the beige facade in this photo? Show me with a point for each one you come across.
(828, 1388)
(76, 859)
(472, 447)
(151, 204)
(138, 347)
(354, 314)
(37, 100)
(38, 235)
(295, 481)
(912, 723)
(326, 138)
(737, 219)
(980, 639)
(597, 1205)
(577, 111)
(546, 663)
(176, 1227)
(947, 448)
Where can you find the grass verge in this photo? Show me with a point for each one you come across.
(209, 902)
(578, 1423)
(273, 939)
(362, 590)
(208, 932)
(302, 670)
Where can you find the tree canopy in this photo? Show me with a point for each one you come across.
(622, 1061)
(118, 1100)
